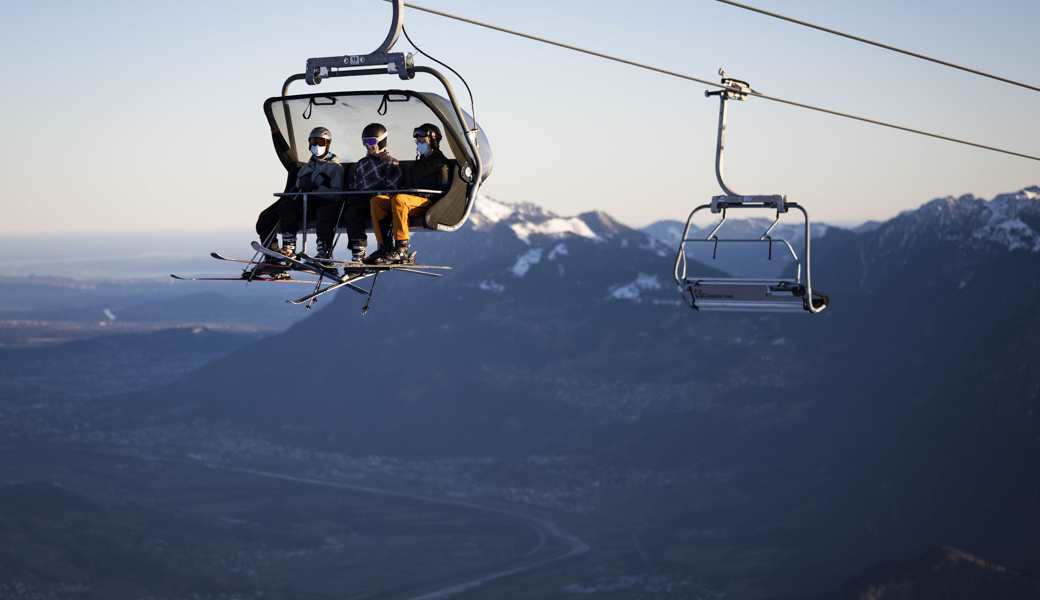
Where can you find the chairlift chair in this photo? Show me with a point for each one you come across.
(776, 295)
(345, 113)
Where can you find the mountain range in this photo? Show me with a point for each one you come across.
(902, 418)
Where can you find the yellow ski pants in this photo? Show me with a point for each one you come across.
(399, 206)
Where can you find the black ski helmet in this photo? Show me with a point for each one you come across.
(431, 131)
(377, 132)
(321, 133)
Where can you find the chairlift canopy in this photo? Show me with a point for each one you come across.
(346, 113)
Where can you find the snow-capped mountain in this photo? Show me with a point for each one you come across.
(1009, 221)
(534, 247)
(526, 220)
(530, 222)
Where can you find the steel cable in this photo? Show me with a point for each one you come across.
(670, 73)
(877, 44)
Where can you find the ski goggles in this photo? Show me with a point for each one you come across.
(372, 141)
(318, 141)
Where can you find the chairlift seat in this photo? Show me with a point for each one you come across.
(750, 295)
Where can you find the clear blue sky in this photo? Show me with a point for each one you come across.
(146, 115)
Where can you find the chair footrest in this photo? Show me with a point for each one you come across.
(763, 295)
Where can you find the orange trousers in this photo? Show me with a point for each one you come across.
(399, 206)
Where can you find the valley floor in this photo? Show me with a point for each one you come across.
(274, 535)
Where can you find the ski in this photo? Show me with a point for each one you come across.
(299, 265)
(322, 264)
(354, 266)
(348, 283)
(241, 279)
(245, 261)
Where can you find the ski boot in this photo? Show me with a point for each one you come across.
(279, 269)
(379, 257)
(357, 262)
(270, 268)
(402, 254)
(323, 260)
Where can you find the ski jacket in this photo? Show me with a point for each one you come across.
(430, 172)
(320, 175)
(379, 172)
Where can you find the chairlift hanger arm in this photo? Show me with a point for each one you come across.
(396, 62)
(330, 66)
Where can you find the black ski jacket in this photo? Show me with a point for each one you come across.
(430, 172)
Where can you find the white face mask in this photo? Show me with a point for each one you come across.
(318, 151)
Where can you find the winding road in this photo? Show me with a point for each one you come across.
(546, 529)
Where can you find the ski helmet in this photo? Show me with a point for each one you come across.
(320, 140)
(376, 132)
(321, 133)
(431, 131)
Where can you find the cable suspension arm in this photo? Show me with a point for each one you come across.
(877, 44)
(675, 74)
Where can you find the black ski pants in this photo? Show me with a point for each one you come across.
(351, 214)
(285, 215)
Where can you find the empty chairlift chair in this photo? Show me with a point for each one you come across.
(792, 294)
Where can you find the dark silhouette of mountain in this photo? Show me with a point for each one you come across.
(91, 300)
(903, 416)
(57, 543)
(942, 573)
(110, 364)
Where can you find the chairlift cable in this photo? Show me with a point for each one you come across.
(877, 44)
(669, 73)
(472, 104)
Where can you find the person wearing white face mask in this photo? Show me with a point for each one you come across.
(430, 171)
(321, 173)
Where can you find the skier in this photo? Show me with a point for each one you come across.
(377, 170)
(322, 173)
(430, 171)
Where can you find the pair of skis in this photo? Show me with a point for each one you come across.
(325, 270)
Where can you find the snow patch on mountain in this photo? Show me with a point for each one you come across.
(525, 261)
(490, 211)
(1005, 225)
(553, 227)
(527, 220)
(558, 250)
(490, 285)
(633, 291)
(1009, 220)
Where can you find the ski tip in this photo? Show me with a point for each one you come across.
(216, 256)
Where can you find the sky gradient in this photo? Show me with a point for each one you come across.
(139, 115)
